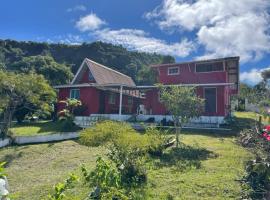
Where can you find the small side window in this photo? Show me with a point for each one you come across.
(90, 76)
(74, 94)
(173, 70)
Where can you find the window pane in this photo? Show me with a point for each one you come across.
(173, 70)
(209, 67)
(75, 94)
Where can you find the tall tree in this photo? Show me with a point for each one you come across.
(182, 103)
(18, 91)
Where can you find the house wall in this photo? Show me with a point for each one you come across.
(188, 75)
(85, 77)
(155, 107)
(89, 96)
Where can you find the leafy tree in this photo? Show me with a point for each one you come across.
(54, 72)
(17, 91)
(182, 103)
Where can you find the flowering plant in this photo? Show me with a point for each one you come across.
(266, 132)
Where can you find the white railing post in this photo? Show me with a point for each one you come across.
(120, 102)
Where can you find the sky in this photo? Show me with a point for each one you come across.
(185, 29)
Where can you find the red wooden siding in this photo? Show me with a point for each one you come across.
(155, 107)
(85, 77)
(89, 97)
(188, 75)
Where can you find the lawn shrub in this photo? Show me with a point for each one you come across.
(127, 148)
(104, 132)
(60, 188)
(157, 141)
(105, 180)
(257, 179)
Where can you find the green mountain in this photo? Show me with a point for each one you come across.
(58, 62)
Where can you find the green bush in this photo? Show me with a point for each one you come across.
(127, 148)
(104, 132)
(105, 180)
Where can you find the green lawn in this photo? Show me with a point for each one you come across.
(214, 166)
(40, 128)
(34, 169)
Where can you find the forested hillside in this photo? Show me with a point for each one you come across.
(58, 62)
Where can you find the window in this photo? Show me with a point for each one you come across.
(209, 67)
(74, 94)
(112, 98)
(90, 76)
(130, 100)
(173, 70)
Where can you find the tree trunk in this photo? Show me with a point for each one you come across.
(8, 113)
(177, 127)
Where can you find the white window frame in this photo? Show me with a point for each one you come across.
(112, 98)
(171, 74)
(70, 93)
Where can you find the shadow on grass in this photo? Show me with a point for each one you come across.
(9, 158)
(183, 158)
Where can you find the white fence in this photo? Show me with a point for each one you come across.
(45, 138)
(88, 121)
(4, 142)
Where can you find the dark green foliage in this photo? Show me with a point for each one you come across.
(18, 91)
(54, 72)
(134, 64)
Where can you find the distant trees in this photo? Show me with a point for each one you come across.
(54, 72)
(52, 60)
(23, 91)
(182, 103)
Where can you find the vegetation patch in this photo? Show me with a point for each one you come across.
(40, 128)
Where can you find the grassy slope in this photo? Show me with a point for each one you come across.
(216, 179)
(34, 169)
(39, 128)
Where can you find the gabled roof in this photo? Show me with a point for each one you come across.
(103, 75)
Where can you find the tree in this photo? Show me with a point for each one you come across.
(54, 72)
(18, 91)
(182, 103)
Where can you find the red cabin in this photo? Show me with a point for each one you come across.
(106, 91)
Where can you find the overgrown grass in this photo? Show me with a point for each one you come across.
(34, 169)
(40, 128)
(206, 167)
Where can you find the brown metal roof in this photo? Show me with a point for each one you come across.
(105, 75)
(196, 61)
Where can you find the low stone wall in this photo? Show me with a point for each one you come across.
(4, 142)
(45, 138)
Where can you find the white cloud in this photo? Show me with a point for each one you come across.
(77, 8)
(138, 40)
(224, 28)
(253, 76)
(89, 23)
